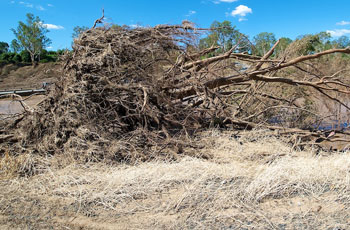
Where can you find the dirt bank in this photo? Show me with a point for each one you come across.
(27, 77)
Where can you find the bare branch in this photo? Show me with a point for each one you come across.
(100, 20)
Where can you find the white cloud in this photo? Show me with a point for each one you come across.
(49, 47)
(53, 27)
(343, 23)
(26, 4)
(242, 11)
(40, 8)
(30, 5)
(190, 13)
(338, 33)
(242, 19)
(135, 26)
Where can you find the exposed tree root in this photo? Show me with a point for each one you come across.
(131, 94)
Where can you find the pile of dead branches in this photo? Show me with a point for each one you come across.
(112, 101)
(128, 94)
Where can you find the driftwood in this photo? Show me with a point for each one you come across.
(130, 94)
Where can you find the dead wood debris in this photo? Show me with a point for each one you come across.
(128, 94)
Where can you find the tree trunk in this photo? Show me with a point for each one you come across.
(34, 62)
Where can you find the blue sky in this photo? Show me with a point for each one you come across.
(285, 18)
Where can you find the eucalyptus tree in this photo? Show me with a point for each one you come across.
(263, 43)
(226, 36)
(31, 35)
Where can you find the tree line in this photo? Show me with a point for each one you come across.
(30, 43)
(227, 37)
(10, 56)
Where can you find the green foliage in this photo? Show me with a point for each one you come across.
(25, 56)
(17, 58)
(282, 45)
(78, 30)
(224, 35)
(263, 42)
(4, 47)
(60, 51)
(342, 42)
(15, 46)
(7, 57)
(324, 42)
(48, 56)
(32, 36)
(313, 43)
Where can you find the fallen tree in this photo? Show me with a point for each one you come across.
(128, 94)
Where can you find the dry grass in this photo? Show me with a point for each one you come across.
(254, 181)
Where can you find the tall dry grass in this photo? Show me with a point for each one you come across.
(252, 182)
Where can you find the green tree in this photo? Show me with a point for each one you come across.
(341, 42)
(17, 58)
(263, 42)
(324, 42)
(313, 43)
(225, 35)
(32, 37)
(25, 56)
(282, 45)
(48, 56)
(4, 47)
(7, 57)
(61, 51)
(306, 44)
(78, 30)
(15, 46)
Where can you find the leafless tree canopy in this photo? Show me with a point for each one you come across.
(126, 93)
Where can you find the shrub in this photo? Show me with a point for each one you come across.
(25, 56)
(7, 56)
(48, 56)
(17, 59)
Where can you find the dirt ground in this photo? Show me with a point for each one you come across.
(27, 77)
(253, 181)
(9, 106)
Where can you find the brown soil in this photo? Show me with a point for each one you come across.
(27, 77)
(9, 106)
